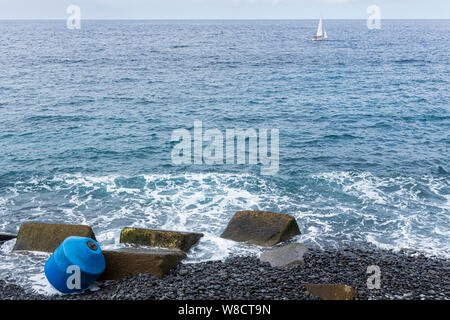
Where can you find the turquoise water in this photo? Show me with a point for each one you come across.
(364, 118)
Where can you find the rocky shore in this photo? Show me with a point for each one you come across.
(404, 275)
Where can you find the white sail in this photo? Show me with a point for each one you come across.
(325, 36)
(320, 29)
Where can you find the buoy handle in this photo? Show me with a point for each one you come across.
(92, 245)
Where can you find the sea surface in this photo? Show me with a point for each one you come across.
(86, 118)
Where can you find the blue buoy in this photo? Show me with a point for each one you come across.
(75, 265)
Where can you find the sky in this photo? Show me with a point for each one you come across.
(225, 9)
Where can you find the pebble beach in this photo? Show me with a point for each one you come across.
(404, 276)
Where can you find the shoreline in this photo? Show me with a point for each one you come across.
(403, 276)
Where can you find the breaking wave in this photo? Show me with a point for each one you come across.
(332, 208)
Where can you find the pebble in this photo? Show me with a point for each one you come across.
(246, 278)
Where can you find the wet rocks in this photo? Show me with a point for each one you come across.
(47, 237)
(261, 227)
(126, 262)
(6, 237)
(285, 256)
(403, 277)
(160, 238)
(332, 291)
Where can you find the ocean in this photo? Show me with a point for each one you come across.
(86, 119)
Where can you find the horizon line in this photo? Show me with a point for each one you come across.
(206, 19)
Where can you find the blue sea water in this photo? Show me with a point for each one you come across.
(86, 118)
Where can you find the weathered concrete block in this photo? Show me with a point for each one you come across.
(286, 256)
(126, 262)
(160, 238)
(332, 291)
(261, 227)
(47, 237)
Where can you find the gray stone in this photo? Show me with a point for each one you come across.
(262, 228)
(183, 272)
(286, 256)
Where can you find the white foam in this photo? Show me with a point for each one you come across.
(406, 210)
(389, 212)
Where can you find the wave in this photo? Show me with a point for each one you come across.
(393, 212)
(204, 202)
(340, 136)
(412, 61)
(58, 119)
(63, 61)
(333, 209)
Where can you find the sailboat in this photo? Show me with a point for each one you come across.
(321, 32)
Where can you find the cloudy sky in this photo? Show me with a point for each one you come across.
(224, 9)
